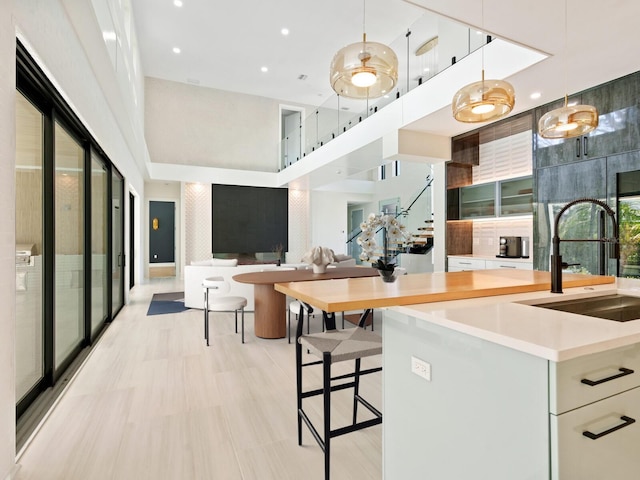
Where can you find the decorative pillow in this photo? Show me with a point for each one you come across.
(224, 262)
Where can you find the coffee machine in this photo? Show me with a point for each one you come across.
(511, 247)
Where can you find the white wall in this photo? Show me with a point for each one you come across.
(191, 125)
(7, 240)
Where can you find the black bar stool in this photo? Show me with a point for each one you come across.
(333, 346)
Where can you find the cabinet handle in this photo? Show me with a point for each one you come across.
(626, 422)
(585, 146)
(623, 372)
(578, 147)
(507, 266)
(464, 263)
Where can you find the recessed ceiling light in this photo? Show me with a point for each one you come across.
(264, 69)
(177, 3)
(284, 31)
(426, 69)
(535, 95)
(176, 50)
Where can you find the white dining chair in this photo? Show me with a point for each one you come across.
(216, 300)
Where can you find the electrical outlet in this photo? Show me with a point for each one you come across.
(421, 368)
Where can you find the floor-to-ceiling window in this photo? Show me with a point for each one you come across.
(99, 242)
(64, 241)
(69, 243)
(29, 242)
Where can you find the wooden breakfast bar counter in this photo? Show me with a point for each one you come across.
(360, 293)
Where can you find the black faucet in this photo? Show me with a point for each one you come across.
(556, 258)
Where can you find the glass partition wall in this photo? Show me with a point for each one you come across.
(425, 48)
(69, 230)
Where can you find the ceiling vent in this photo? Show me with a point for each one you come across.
(302, 77)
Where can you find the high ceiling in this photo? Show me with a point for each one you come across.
(224, 45)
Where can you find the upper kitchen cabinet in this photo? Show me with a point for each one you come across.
(556, 187)
(618, 130)
(548, 151)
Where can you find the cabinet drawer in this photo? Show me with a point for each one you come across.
(609, 373)
(509, 265)
(463, 263)
(614, 455)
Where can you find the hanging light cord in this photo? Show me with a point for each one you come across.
(482, 52)
(364, 14)
(566, 83)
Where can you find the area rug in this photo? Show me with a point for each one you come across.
(162, 303)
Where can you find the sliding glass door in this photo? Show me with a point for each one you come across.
(29, 246)
(69, 243)
(99, 243)
(69, 230)
(117, 238)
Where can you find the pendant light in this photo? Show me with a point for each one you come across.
(364, 69)
(484, 100)
(570, 120)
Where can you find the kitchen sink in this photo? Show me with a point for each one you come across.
(616, 307)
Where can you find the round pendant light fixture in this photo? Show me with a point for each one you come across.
(484, 100)
(364, 70)
(570, 120)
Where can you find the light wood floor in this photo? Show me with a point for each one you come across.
(153, 402)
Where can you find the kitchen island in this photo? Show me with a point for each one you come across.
(491, 387)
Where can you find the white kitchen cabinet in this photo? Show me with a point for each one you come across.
(465, 263)
(461, 264)
(508, 264)
(508, 414)
(610, 452)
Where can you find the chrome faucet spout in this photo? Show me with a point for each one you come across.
(556, 258)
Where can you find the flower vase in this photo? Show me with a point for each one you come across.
(387, 276)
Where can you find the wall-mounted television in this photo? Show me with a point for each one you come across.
(249, 219)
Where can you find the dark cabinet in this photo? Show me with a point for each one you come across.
(557, 186)
(549, 151)
(618, 130)
(618, 127)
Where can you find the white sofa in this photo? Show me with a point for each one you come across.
(194, 274)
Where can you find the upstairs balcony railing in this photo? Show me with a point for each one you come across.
(426, 48)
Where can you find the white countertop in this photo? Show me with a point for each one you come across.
(542, 332)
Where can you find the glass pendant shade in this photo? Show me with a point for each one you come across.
(364, 70)
(568, 121)
(483, 101)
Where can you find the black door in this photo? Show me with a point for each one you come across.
(132, 241)
(161, 232)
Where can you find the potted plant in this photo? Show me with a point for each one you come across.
(392, 232)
